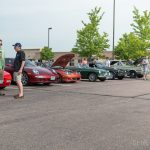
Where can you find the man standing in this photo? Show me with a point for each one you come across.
(2, 66)
(107, 62)
(19, 63)
(145, 64)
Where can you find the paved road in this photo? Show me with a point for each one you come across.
(112, 115)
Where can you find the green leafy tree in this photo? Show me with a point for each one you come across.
(141, 24)
(89, 41)
(130, 46)
(46, 53)
(136, 43)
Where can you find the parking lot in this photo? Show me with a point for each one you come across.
(111, 115)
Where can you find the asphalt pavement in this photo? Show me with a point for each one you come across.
(111, 115)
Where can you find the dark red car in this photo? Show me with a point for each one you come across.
(32, 74)
(7, 80)
(65, 75)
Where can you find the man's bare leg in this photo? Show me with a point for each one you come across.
(20, 87)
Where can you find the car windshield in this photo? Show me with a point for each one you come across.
(83, 66)
(100, 64)
(29, 63)
(120, 63)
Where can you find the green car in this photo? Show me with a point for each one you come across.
(131, 70)
(90, 73)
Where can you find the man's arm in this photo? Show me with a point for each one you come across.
(3, 54)
(23, 63)
(21, 68)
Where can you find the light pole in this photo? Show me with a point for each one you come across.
(114, 17)
(48, 35)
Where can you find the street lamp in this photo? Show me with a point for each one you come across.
(114, 17)
(48, 35)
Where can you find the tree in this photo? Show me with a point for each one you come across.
(130, 46)
(141, 24)
(89, 41)
(46, 53)
(136, 43)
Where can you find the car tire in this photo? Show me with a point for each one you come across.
(140, 76)
(120, 78)
(60, 80)
(102, 79)
(46, 84)
(1, 88)
(25, 79)
(92, 77)
(132, 74)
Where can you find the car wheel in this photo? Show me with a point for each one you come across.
(102, 79)
(92, 77)
(120, 78)
(46, 84)
(25, 79)
(133, 74)
(1, 88)
(140, 76)
(60, 80)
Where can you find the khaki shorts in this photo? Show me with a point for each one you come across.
(17, 77)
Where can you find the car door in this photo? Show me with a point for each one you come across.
(85, 72)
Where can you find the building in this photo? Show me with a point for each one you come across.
(34, 54)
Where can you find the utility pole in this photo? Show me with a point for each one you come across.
(49, 35)
(114, 18)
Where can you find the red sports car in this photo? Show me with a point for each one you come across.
(65, 75)
(7, 80)
(32, 74)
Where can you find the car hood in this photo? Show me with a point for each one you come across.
(138, 61)
(42, 71)
(63, 60)
(106, 68)
(129, 67)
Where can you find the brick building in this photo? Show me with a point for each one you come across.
(34, 54)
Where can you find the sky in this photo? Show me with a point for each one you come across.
(27, 21)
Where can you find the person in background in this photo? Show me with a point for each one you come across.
(107, 62)
(2, 66)
(97, 61)
(145, 64)
(84, 62)
(19, 63)
(130, 62)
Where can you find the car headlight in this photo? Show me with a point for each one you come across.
(35, 71)
(100, 72)
(54, 71)
(68, 72)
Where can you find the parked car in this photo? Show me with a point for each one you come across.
(114, 73)
(131, 70)
(32, 74)
(65, 75)
(90, 73)
(7, 80)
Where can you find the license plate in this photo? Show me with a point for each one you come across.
(52, 77)
(8, 81)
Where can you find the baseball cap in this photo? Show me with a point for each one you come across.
(17, 45)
